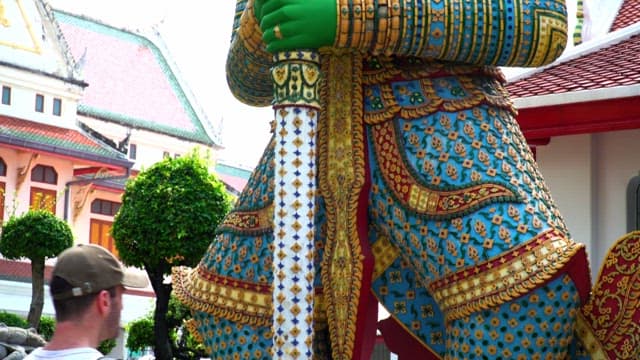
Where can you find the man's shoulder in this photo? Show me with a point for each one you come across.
(67, 354)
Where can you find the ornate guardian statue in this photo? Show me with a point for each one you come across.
(398, 175)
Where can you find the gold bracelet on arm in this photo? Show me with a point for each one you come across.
(381, 35)
(352, 21)
(378, 26)
(370, 25)
(248, 62)
(395, 27)
(250, 31)
(358, 25)
(342, 32)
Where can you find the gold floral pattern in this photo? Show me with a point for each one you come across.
(341, 177)
(609, 325)
(258, 221)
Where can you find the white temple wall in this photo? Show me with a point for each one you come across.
(588, 177)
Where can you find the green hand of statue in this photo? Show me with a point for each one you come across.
(257, 9)
(297, 24)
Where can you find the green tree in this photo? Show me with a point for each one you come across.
(47, 327)
(168, 217)
(184, 346)
(36, 235)
(140, 334)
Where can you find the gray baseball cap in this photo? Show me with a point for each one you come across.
(91, 268)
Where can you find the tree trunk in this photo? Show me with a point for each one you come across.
(162, 348)
(37, 292)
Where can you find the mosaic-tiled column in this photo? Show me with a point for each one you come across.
(296, 104)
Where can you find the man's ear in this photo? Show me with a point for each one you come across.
(104, 302)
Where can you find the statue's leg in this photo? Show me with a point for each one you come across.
(538, 325)
(415, 328)
(456, 190)
(230, 290)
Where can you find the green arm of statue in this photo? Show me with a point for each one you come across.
(489, 32)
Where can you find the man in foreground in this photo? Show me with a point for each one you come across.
(86, 286)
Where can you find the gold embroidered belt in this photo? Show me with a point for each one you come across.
(233, 299)
(249, 222)
(503, 278)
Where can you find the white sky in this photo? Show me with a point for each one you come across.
(197, 33)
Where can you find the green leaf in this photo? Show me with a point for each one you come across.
(36, 234)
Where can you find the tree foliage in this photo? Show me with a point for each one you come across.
(107, 345)
(140, 334)
(169, 213)
(46, 327)
(183, 344)
(36, 235)
(168, 216)
(11, 319)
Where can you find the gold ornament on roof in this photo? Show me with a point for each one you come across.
(3, 19)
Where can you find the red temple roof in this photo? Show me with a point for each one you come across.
(628, 14)
(611, 64)
(130, 80)
(20, 133)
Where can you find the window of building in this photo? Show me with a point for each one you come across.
(100, 234)
(39, 103)
(105, 207)
(176, 155)
(44, 174)
(6, 95)
(43, 199)
(133, 151)
(165, 155)
(3, 167)
(57, 107)
(633, 204)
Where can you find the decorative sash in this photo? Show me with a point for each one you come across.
(506, 277)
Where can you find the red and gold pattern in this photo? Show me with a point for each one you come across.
(418, 197)
(341, 178)
(230, 298)
(250, 222)
(384, 68)
(609, 323)
(504, 278)
(428, 73)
